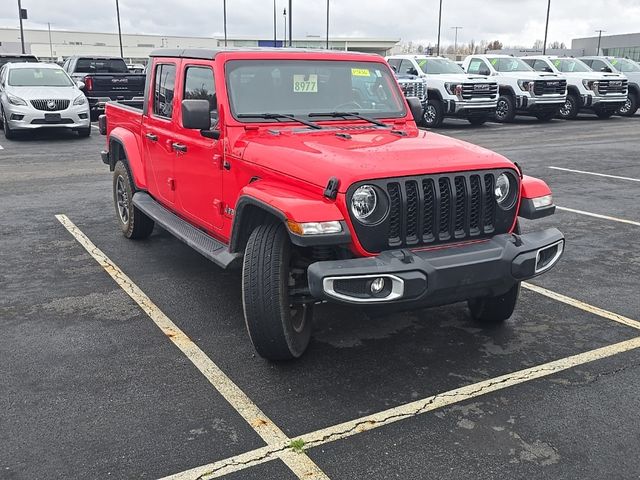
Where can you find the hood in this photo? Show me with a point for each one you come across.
(49, 93)
(314, 157)
(461, 77)
(532, 76)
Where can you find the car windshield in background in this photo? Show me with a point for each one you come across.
(624, 65)
(511, 64)
(300, 87)
(570, 65)
(39, 77)
(101, 65)
(439, 66)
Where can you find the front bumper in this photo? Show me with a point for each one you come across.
(438, 276)
(465, 108)
(26, 117)
(544, 102)
(612, 101)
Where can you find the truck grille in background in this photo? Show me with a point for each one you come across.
(612, 86)
(550, 87)
(479, 90)
(44, 105)
(412, 89)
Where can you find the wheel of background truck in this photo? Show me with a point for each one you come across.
(478, 120)
(84, 132)
(133, 223)
(506, 109)
(8, 133)
(570, 109)
(279, 327)
(546, 116)
(604, 113)
(630, 108)
(93, 115)
(493, 310)
(433, 115)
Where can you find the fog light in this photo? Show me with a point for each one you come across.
(15, 116)
(377, 285)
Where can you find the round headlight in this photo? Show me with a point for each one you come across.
(364, 202)
(502, 188)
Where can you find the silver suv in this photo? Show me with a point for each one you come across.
(40, 95)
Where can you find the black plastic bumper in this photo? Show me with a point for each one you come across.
(437, 276)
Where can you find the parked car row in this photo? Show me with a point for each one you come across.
(501, 87)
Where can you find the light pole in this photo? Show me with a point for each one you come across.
(50, 43)
(599, 38)
(119, 29)
(290, 24)
(455, 48)
(284, 15)
(224, 20)
(275, 38)
(21, 30)
(327, 24)
(439, 25)
(546, 30)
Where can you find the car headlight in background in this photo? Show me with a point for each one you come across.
(454, 88)
(526, 85)
(80, 100)
(16, 100)
(364, 202)
(506, 191)
(591, 84)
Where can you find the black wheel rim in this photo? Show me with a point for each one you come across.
(122, 200)
(502, 109)
(565, 110)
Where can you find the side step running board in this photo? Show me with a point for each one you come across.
(204, 244)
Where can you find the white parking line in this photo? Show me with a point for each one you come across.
(96, 127)
(596, 174)
(300, 464)
(413, 409)
(1, 147)
(597, 215)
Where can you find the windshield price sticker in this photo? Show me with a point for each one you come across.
(557, 63)
(304, 85)
(360, 72)
(494, 61)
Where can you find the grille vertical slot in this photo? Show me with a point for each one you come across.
(475, 205)
(445, 209)
(395, 212)
(489, 203)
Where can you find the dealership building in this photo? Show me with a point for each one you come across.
(627, 45)
(58, 45)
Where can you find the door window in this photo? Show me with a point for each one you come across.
(395, 63)
(165, 80)
(200, 85)
(599, 66)
(478, 67)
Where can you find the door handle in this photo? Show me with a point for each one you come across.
(152, 137)
(179, 147)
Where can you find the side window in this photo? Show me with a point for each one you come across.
(529, 62)
(588, 62)
(540, 66)
(407, 68)
(477, 66)
(395, 64)
(598, 66)
(199, 85)
(165, 80)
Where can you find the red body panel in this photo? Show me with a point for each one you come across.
(534, 187)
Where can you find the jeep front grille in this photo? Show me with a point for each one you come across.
(479, 90)
(549, 87)
(50, 105)
(612, 86)
(435, 209)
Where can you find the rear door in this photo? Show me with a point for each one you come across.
(199, 161)
(157, 132)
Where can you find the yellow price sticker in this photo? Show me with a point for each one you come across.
(360, 72)
(303, 85)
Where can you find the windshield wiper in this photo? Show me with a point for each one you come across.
(350, 114)
(276, 116)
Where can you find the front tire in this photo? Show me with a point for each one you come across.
(506, 109)
(278, 328)
(495, 310)
(9, 134)
(433, 114)
(133, 223)
(630, 108)
(570, 109)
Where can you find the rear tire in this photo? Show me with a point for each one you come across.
(478, 120)
(570, 109)
(8, 133)
(133, 223)
(506, 109)
(277, 329)
(495, 310)
(630, 108)
(433, 115)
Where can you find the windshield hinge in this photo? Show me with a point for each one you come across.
(331, 191)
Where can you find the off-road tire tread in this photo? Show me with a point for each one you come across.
(139, 226)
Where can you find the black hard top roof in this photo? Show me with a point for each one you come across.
(210, 53)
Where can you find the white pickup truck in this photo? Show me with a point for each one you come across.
(522, 90)
(629, 69)
(599, 92)
(450, 91)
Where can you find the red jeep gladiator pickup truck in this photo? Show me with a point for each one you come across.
(306, 169)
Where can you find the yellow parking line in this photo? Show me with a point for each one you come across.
(301, 465)
(596, 174)
(413, 409)
(583, 306)
(597, 215)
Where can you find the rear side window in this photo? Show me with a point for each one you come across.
(165, 81)
(101, 65)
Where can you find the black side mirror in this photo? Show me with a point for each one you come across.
(607, 70)
(485, 72)
(415, 105)
(195, 114)
(394, 68)
(548, 69)
(412, 71)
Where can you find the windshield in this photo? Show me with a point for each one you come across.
(300, 87)
(510, 64)
(101, 65)
(624, 65)
(39, 77)
(569, 65)
(439, 66)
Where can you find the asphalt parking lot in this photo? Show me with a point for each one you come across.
(125, 359)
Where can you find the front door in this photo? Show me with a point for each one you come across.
(199, 162)
(157, 135)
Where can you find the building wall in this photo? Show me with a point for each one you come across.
(627, 45)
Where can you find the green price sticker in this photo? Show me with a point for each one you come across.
(301, 84)
(494, 61)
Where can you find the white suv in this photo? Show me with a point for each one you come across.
(629, 69)
(451, 92)
(602, 93)
(522, 90)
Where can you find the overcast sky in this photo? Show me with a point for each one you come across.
(513, 22)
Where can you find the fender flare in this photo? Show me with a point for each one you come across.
(124, 144)
(532, 187)
(506, 89)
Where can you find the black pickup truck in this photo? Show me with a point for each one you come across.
(105, 79)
